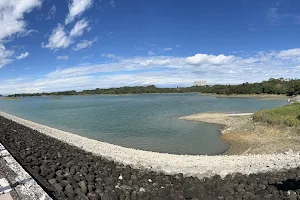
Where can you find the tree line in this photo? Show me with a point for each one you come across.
(283, 86)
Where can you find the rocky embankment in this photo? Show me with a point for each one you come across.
(69, 172)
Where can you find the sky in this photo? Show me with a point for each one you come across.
(55, 45)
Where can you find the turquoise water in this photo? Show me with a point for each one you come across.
(148, 122)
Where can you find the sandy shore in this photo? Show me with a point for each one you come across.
(199, 166)
(227, 119)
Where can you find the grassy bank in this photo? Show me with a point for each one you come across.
(285, 116)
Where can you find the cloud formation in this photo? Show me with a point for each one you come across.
(76, 8)
(12, 16)
(61, 39)
(58, 39)
(5, 56)
(151, 53)
(79, 28)
(290, 54)
(112, 56)
(84, 44)
(164, 71)
(12, 23)
(209, 59)
(22, 56)
(51, 13)
(62, 57)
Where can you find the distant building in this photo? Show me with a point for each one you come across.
(200, 83)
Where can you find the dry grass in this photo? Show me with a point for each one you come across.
(262, 138)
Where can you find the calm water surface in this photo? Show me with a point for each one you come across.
(148, 122)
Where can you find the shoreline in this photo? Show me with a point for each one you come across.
(68, 172)
(189, 165)
(128, 94)
(246, 137)
(254, 96)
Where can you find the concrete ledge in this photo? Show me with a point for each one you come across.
(14, 179)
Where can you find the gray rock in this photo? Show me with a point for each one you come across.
(69, 191)
(58, 187)
(93, 196)
(83, 186)
(52, 181)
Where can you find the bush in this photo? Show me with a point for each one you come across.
(288, 115)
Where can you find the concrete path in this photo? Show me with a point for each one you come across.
(11, 173)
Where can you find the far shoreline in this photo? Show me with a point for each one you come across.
(254, 96)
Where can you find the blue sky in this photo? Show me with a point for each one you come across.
(54, 45)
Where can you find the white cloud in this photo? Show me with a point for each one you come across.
(168, 49)
(29, 32)
(138, 48)
(151, 53)
(79, 28)
(112, 56)
(272, 16)
(209, 59)
(12, 23)
(112, 3)
(159, 62)
(84, 44)
(12, 16)
(162, 71)
(275, 14)
(22, 56)
(62, 57)
(289, 54)
(5, 56)
(76, 8)
(58, 39)
(51, 13)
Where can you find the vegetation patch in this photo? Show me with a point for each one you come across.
(288, 87)
(288, 115)
(10, 98)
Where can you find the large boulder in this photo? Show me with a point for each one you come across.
(297, 99)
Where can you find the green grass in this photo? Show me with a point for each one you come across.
(288, 115)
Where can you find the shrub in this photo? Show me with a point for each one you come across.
(288, 115)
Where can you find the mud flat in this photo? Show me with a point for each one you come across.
(74, 167)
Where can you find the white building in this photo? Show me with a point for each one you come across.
(199, 83)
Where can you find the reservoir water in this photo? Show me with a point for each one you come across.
(148, 122)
